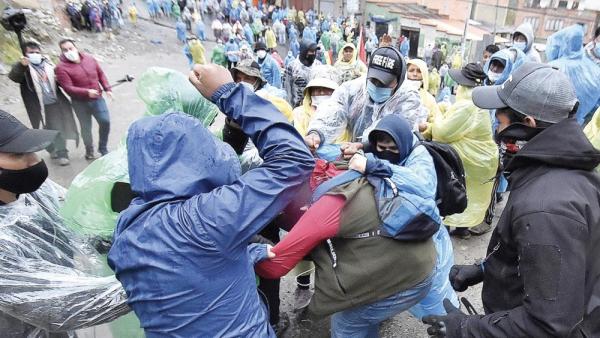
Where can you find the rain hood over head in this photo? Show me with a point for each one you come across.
(180, 249)
(352, 69)
(305, 47)
(527, 30)
(564, 51)
(399, 130)
(512, 58)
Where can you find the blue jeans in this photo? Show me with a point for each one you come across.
(98, 109)
(363, 321)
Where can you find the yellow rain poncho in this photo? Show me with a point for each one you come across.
(197, 51)
(434, 82)
(592, 131)
(426, 98)
(352, 69)
(270, 38)
(282, 105)
(468, 129)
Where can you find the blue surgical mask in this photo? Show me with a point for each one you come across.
(378, 94)
(520, 45)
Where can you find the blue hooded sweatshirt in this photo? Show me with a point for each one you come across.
(512, 58)
(270, 71)
(181, 247)
(565, 51)
(295, 47)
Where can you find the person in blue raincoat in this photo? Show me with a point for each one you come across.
(231, 51)
(289, 58)
(181, 249)
(309, 34)
(292, 32)
(405, 46)
(200, 30)
(268, 67)
(565, 51)
(180, 28)
(294, 47)
(248, 34)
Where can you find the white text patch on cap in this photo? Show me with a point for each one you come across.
(384, 61)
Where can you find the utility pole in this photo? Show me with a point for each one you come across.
(495, 20)
(464, 37)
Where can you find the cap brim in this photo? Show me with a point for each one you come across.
(384, 77)
(458, 77)
(488, 98)
(30, 141)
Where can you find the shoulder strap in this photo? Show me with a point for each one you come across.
(346, 177)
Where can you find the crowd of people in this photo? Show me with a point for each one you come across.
(367, 159)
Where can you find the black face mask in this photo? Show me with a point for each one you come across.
(25, 180)
(309, 60)
(392, 157)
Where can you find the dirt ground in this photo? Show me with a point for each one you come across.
(149, 45)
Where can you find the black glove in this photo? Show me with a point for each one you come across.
(448, 325)
(463, 276)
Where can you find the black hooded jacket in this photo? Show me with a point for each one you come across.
(542, 274)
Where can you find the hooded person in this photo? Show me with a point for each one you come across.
(294, 47)
(248, 34)
(181, 247)
(468, 130)
(501, 64)
(381, 276)
(268, 67)
(523, 39)
(592, 49)
(197, 51)
(417, 78)
(357, 105)
(288, 59)
(297, 73)
(270, 38)
(232, 50)
(549, 227)
(434, 82)
(564, 50)
(348, 64)
(180, 28)
(218, 54)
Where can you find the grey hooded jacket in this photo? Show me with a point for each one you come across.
(527, 30)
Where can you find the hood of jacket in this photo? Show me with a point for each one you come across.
(512, 58)
(400, 131)
(173, 156)
(527, 30)
(562, 145)
(423, 68)
(341, 54)
(566, 43)
(305, 46)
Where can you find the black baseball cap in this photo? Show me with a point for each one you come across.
(386, 65)
(471, 75)
(259, 46)
(534, 89)
(16, 138)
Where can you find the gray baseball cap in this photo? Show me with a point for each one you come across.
(534, 89)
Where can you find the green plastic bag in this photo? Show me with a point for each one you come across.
(87, 208)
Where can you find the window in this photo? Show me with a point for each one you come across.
(533, 3)
(554, 25)
(563, 4)
(575, 5)
(533, 20)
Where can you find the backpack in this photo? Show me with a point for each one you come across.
(451, 195)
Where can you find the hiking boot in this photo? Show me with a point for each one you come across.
(480, 229)
(302, 298)
(63, 161)
(462, 233)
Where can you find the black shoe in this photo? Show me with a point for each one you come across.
(462, 233)
(90, 155)
(480, 229)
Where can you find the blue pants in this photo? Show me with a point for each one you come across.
(363, 321)
(98, 109)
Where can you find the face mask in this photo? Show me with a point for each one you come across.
(317, 100)
(72, 55)
(520, 45)
(508, 150)
(310, 59)
(35, 58)
(412, 84)
(493, 76)
(261, 54)
(248, 85)
(388, 155)
(24, 181)
(378, 94)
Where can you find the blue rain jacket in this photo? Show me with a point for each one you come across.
(181, 248)
(565, 51)
(309, 34)
(180, 28)
(289, 58)
(249, 34)
(295, 47)
(232, 46)
(512, 58)
(270, 71)
(405, 47)
(292, 33)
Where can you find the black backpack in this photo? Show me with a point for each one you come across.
(451, 195)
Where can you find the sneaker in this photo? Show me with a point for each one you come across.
(63, 161)
(301, 299)
(90, 156)
(462, 233)
(480, 229)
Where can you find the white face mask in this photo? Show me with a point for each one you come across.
(261, 54)
(35, 58)
(248, 85)
(317, 100)
(493, 76)
(412, 84)
(72, 55)
(520, 45)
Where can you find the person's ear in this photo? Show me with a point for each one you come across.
(529, 121)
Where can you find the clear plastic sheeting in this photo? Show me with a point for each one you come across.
(50, 278)
(164, 90)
